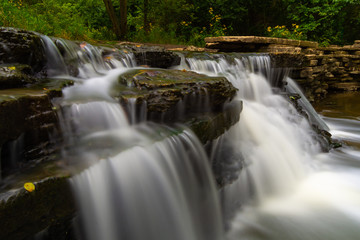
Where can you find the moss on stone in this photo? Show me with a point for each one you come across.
(26, 213)
(163, 89)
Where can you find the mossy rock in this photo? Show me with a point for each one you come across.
(163, 90)
(22, 110)
(23, 213)
(27, 120)
(210, 127)
(22, 47)
(15, 76)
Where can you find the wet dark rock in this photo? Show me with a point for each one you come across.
(172, 94)
(210, 127)
(24, 214)
(22, 47)
(152, 56)
(157, 59)
(321, 135)
(227, 162)
(286, 60)
(15, 76)
(23, 113)
(27, 119)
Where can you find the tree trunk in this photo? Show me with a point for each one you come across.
(146, 20)
(123, 17)
(114, 20)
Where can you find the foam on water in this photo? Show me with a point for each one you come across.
(300, 193)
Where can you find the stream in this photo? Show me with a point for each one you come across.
(295, 191)
(135, 180)
(288, 188)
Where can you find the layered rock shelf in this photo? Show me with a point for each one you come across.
(30, 136)
(201, 102)
(318, 70)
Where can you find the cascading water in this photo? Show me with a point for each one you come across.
(141, 181)
(270, 133)
(151, 182)
(157, 191)
(301, 192)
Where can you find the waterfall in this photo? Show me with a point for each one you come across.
(270, 132)
(55, 63)
(313, 116)
(163, 190)
(83, 60)
(132, 180)
(288, 188)
(146, 181)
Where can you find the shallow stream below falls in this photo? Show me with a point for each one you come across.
(326, 203)
(296, 192)
(136, 180)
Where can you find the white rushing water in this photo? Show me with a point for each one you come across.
(150, 182)
(301, 193)
(141, 181)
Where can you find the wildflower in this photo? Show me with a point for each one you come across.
(269, 29)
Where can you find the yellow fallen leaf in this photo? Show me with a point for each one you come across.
(29, 186)
(11, 68)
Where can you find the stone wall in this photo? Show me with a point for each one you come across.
(329, 69)
(318, 70)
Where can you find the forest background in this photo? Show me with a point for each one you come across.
(186, 21)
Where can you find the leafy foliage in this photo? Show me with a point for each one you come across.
(189, 21)
(320, 20)
(59, 18)
(284, 32)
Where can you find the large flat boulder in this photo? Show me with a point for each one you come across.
(256, 44)
(170, 92)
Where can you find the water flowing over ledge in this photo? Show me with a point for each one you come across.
(318, 70)
(136, 179)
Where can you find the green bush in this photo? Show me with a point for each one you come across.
(188, 21)
(283, 32)
(57, 18)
